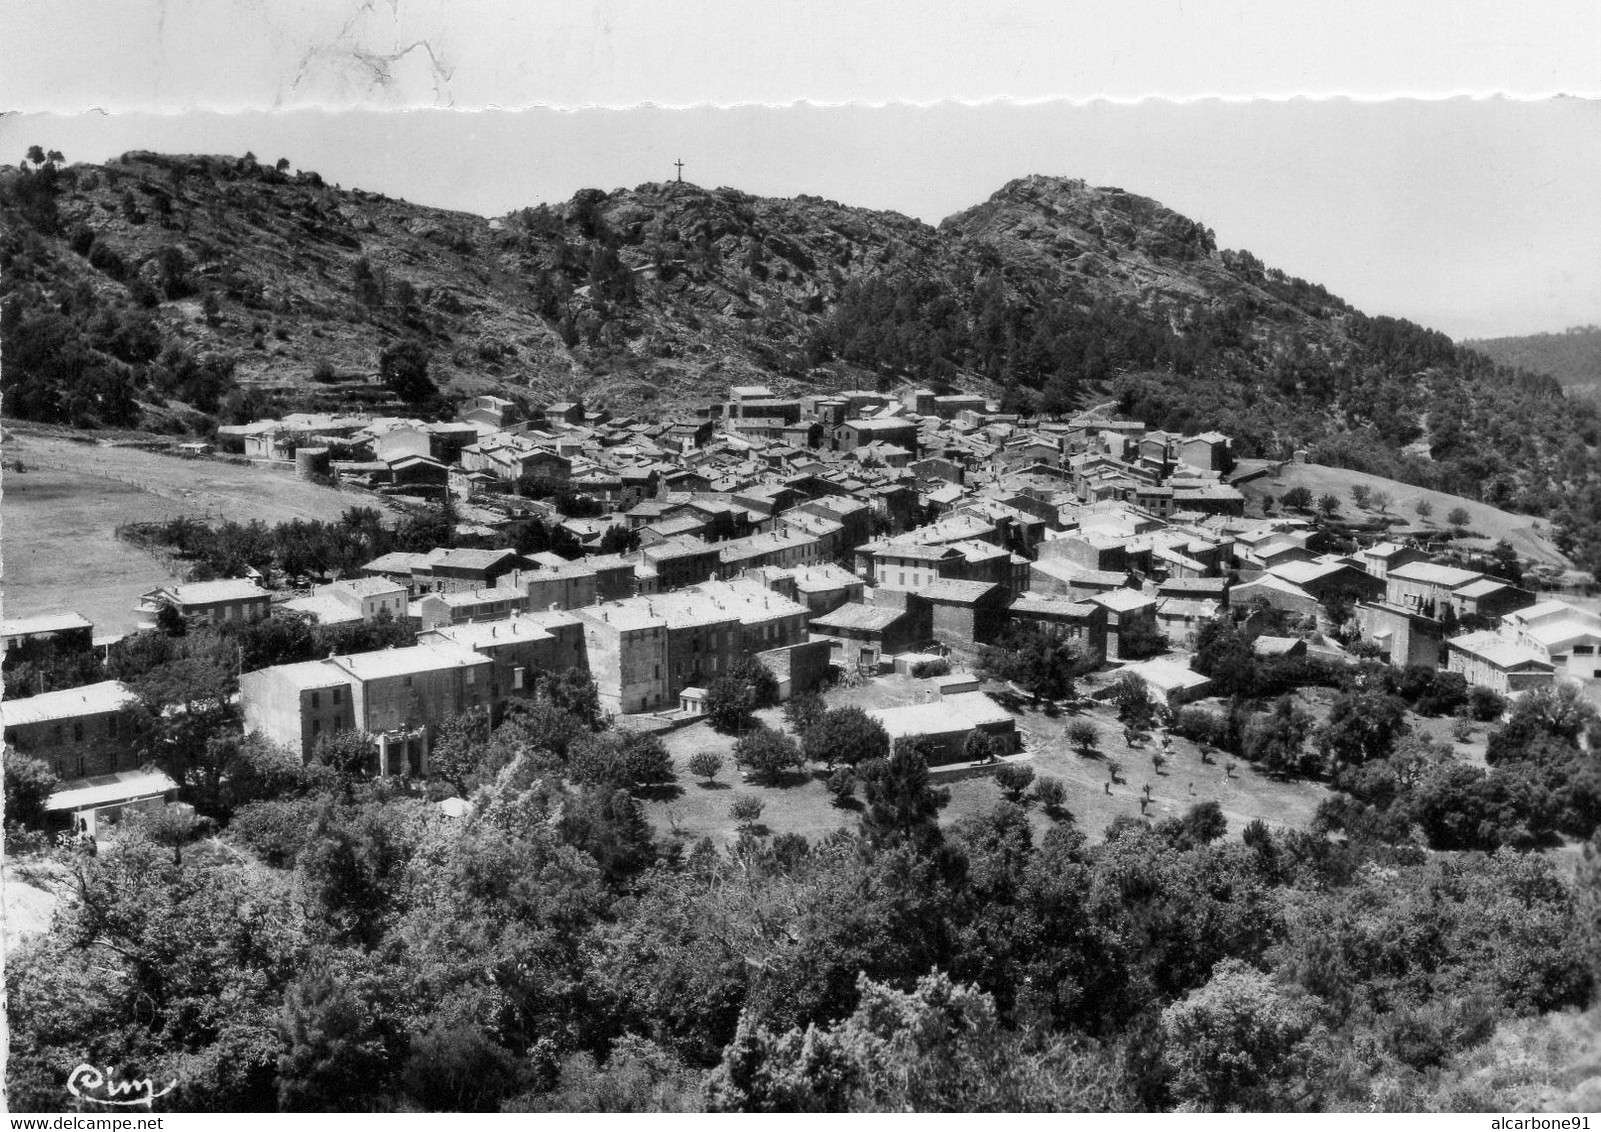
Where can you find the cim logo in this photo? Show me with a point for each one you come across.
(88, 1084)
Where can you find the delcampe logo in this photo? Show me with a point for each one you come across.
(88, 1084)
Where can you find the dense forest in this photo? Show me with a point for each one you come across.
(1573, 357)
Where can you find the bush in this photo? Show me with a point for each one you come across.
(926, 668)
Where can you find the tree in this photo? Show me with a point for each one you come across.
(1043, 662)
(350, 752)
(1381, 501)
(28, 783)
(1133, 699)
(1298, 498)
(574, 691)
(842, 785)
(769, 755)
(1050, 794)
(1457, 517)
(1361, 495)
(1277, 739)
(980, 747)
(729, 704)
(457, 1068)
(1083, 735)
(1328, 503)
(758, 679)
(803, 710)
(746, 810)
(705, 764)
(1236, 1043)
(647, 760)
(332, 1048)
(846, 735)
(170, 619)
(403, 368)
(1362, 725)
(903, 805)
(1424, 508)
(1014, 780)
(1485, 704)
(1141, 639)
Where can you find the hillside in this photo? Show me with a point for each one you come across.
(179, 291)
(1573, 357)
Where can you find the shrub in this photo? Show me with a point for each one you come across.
(926, 668)
(1084, 735)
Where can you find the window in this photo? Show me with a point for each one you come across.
(77, 732)
(316, 701)
(316, 726)
(408, 681)
(472, 676)
(113, 725)
(518, 675)
(339, 696)
(1583, 650)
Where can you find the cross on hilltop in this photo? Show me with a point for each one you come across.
(680, 165)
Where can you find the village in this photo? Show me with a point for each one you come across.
(835, 539)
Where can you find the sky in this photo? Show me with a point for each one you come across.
(1477, 217)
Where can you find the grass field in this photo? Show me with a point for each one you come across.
(1530, 536)
(60, 514)
(698, 810)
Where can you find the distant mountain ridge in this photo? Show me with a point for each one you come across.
(1572, 356)
(158, 288)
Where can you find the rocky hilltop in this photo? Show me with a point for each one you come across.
(177, 291)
